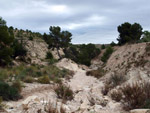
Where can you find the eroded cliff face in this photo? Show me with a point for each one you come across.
(37, 50)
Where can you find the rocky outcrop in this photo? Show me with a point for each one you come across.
(36, 51)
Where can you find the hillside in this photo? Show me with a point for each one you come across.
(130, 61)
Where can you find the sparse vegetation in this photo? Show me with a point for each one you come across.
(115, 80)
(134, 96)
(64, 92)
(96, 73)
(44, 79)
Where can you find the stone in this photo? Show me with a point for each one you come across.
(140, 111)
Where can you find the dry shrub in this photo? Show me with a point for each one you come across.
(116, 95)
(117, 79)
(107, 87)
(64, 92)
(134, 96)
(49, 108)
(96, 73)
(113, 82)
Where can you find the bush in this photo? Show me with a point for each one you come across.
(103, 46)
(96, 73)
(18, 49)
(64, 92)
(116, 95)
(113, 82)
(44, 80)
(107, 53)
(49, 55)
(134, 96)
(8, 92)
(31, 38)
(28, 79)
(117, 79)
(17, 84)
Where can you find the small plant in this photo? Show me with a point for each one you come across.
(28, 79)
(117, 79)
(64, 92)
(116, 95)
(44, 80)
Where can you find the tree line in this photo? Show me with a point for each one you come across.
(11, 47)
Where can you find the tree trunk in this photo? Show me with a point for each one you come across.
(58, 53)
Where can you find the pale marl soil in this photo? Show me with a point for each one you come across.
(85, 88)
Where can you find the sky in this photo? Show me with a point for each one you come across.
(89, 21)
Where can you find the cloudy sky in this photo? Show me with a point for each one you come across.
(90, 21)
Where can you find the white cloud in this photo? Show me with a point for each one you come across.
(94, 20)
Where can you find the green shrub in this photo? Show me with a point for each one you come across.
(64, 92)
(49, 55)
(107, 53)
(31, 38)
(82, 54)
(44, 80)
(8, 92)
(103, 46)
(18, 49)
